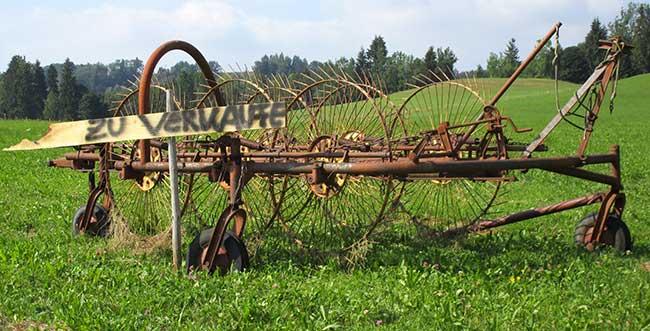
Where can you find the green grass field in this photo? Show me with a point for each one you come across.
(524, 276)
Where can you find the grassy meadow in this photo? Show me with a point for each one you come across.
(526, 276)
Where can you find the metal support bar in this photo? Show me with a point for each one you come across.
(214, 254)
(601, 218)
(567, 107)
(612, 181)
(541, 211)
(184, 167)
(235, 173)
(401, 167)
(96, 191)
(525, 63)
(64, 162)
(173, 179)
(407, 167)
(90, 207)
(593, 115)
(511, 80)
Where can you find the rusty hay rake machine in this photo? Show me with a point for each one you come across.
(327, 158)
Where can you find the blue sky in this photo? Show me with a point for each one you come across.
(240, 32)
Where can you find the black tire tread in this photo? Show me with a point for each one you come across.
(100, 213)
(235, 248)
(622, 236)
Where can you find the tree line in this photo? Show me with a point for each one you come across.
(373, 63)
(28, 91)
(60, 92)
(577, 62)
(66, 91)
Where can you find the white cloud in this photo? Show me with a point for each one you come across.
(354, 23)
(108, 32)
(603, 7)
(241, 32)
(520, 11)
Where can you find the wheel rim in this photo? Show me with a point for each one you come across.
(338, 218)
(615, 233)
(142, 205)
(445, 204)
(208, 200)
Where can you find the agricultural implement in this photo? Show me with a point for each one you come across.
(345, 161)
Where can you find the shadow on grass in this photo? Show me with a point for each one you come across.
(472, 252)
(641, 250)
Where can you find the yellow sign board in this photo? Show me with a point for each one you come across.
(157, 125)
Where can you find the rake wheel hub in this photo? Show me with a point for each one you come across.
(149, 179)
(333, 184)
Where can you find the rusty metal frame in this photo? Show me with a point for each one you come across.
(96, 190)
(147, 75)
(453, 156)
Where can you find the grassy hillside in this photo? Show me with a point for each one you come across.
(525, 276)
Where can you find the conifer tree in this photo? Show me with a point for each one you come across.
(446, 61)
(68, 93)
(39, 91)
(361, 64)
(430, 59)
(52, 79)
(17, 91)
(377, 54)
(91, 106)
(510, 58)
(51, 109)
(590, 46)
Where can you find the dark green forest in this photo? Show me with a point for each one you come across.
(68, 91)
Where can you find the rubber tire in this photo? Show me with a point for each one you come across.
(235, 249)
(622, 236)
(102, 221)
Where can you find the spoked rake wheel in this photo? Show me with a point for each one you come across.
(142, 203)
(440, 203)
(341, 211)
(207, 200)
(292, 138)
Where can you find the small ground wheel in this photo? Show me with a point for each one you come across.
(99, 222)
(615, 234)
(232, 253)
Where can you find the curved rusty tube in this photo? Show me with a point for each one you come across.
(147, 74)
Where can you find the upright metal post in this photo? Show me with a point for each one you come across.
(173, 178)
(509, 82)
(525, 63)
